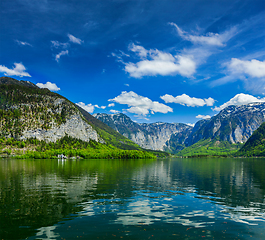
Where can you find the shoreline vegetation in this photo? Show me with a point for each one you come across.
(72, 148)
(68, 147)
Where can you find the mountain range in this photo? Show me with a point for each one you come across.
(155, 136)
(27, 111)
(234, 125)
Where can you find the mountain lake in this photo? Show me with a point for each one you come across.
(199, 198)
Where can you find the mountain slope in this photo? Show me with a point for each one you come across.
(225, 133)
(30, 112)
(108, 134)
(155, 136)
(234, 124)
(255, 145)
(27, 111)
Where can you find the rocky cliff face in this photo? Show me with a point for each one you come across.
(234, 124)
(29, 112)
(153, 136)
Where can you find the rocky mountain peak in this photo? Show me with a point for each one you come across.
(153, 136)
(234, 124)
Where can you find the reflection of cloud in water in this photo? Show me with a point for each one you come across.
(88, 209)
(141, 212)
(147, 212)
(244, 215)
(47, 233)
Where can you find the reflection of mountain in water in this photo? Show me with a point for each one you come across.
(188, 192)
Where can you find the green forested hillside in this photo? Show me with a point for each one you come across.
(68, 146)
(25, 107)
(255, 145)
(208, 147)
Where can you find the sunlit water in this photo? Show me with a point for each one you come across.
(141, 199)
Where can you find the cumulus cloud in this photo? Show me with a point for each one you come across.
(102, 107)
(252, 68)
(58, 56)
(164, 64)
(139, 50)
(111, 105)
(140, 105)
(203, 116)
(154, 62)
(114, 111)
(186, 100)
(89, 107)
(210, 38)
(49, 85)
(17, 70)
(239, 99)
(74, 39)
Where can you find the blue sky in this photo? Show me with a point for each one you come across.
(169, 61)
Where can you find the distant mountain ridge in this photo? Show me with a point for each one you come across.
(234, 124)
(155, 136)
(231, 126)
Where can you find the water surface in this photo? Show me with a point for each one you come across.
(135, 199)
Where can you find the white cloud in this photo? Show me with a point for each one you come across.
(213, 39)
(102, 107)
(203, 116)
(89, 107)
(239, 99)
(140, 105)
(114, 111)
(252, 68)
(126, 84)
(191, 124)
(74, 39)
(58, 56)
(111, 105)
(186, 100)
(139, 50)
(49, 85)
(23, 43)
(18, 70)
(154, 62)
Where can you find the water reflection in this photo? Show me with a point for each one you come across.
(208, 198)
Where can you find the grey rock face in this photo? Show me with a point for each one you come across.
(150, 136)
(74, 127)
(49, 119)
(234, 124)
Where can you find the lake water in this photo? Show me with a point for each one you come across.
(135, 199)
